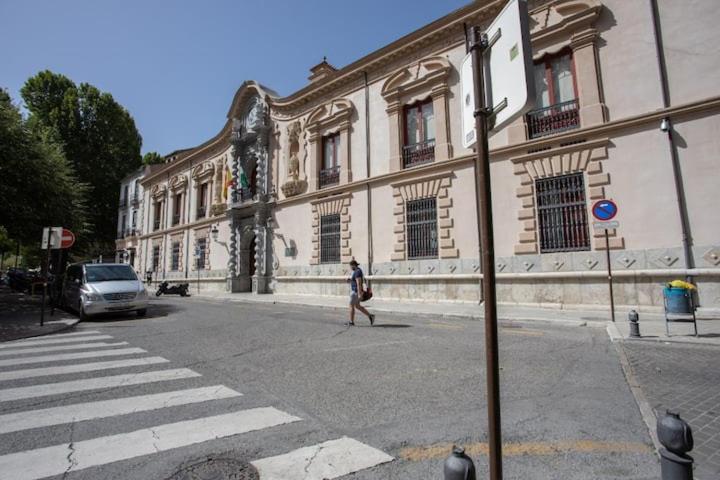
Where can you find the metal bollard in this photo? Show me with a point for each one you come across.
(459, 466)
(676, 436)
(633, 318)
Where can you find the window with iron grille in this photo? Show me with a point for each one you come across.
(421, 228)
(175, 258)
(156, 258)
(200, 252)
(562, 214)
(330, 172)
(419, 145)
(330, 238)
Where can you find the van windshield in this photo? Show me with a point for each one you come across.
(108, 273)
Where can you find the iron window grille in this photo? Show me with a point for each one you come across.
(562, 214)
(201, 250)
(175, 259)
(421, 221)
(330, 238)
(419, 142)
(156, 258)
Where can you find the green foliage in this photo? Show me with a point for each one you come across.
(6, 243)
(38, 186)
(97, 135)
(152, 158)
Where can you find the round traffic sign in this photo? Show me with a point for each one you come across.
(604, 210)
(67, 239)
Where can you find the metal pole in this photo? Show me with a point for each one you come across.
(484, 201)
(45, 283)
(197, 264)
(609, 270)
(17, 253)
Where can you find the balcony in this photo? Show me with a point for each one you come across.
(123, 202)
(135, 200)
(175, 219)
(329, 176)
(553, 119)
(156, 224)
(132, 232)
(121, 234)
(201, 212)
(419, 153)
(246, 194)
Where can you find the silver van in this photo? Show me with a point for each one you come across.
(92, 288)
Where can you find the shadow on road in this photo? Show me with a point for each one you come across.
(392, 325)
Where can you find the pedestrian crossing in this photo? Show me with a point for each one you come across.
(44, 372)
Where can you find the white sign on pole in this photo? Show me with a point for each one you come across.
(606, 225)
(51, 237)
(508, 71)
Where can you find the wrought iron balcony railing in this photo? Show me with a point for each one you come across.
(419, 153)
(201, 212)
(176, 219)
(553, 119)
(246, 194)
(123, 202)
(329, 176)
(135, 200)
(156, 224)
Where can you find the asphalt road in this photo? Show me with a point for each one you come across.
(409, 387)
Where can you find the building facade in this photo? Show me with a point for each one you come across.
(367, 162)
(130, 219)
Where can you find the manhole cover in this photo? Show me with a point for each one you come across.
(217, 469)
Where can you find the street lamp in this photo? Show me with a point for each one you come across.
(214, 232)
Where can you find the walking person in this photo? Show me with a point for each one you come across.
(357, 290)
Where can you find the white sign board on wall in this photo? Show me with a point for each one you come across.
(508, 71)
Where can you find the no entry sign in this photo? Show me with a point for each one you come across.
(67, 239)
(604, 210)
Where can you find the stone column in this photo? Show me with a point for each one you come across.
(315, 160)
(592, 110)
(217, 183)
(443, 148)
(395, 135)
(345, 173)
(232, 261)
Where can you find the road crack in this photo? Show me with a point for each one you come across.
(311, 460)
(72, 462)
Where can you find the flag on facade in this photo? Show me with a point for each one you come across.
(244, 180)
(229, 181)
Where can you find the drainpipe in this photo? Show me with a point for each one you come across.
(677, 171)
(367, 162)
(163, 225)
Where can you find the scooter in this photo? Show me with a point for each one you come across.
(179, 289)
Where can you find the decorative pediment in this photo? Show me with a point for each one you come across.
(426, 74)
(330, 113)
(559, 21)
(158, 190)
(178, 182)
(202, 171)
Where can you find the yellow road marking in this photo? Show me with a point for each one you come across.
(448, 326)
(531, 333)
(441, 450)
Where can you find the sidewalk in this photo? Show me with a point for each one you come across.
(20, 317)
(446, 310)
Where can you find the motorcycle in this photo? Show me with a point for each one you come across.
(179, 289)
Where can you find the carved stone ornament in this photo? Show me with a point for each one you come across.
(205, 169)
(178, 182)
(158, 191)
(294, 185)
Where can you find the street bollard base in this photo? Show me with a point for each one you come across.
(675, 466)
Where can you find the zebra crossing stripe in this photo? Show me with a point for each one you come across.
(59, 348)
(331, 459)
(15, 422)
(79, 333)
(19, 393)
(54, 340)
(70, 356)
(58, 459)
(81, 367)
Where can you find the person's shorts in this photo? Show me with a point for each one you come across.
(354, 299)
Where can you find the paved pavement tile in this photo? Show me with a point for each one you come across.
(20, 316)
(685, 379)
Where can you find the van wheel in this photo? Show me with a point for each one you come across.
(81, 313)
(142, 312)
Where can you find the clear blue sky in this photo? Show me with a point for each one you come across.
(175, 65)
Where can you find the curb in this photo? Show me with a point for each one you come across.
(63, 325)
(445, 316)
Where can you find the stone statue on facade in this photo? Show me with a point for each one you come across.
(294, 185)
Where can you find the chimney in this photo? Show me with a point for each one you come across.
(321, 71)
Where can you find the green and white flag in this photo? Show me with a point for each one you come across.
(244, 180)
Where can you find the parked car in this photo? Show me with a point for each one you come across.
(94, 288)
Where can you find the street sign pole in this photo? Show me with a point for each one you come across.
(478, 46)
(610, 279)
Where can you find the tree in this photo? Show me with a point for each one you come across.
(38, 186)
(152, 158)
(97, 135)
